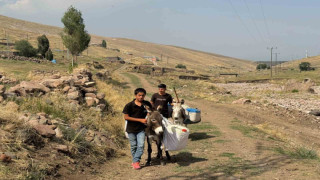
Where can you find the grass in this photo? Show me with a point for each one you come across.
(134, 79)
(298, 153)
(206, 128)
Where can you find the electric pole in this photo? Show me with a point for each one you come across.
(276, 62)
(271, 49)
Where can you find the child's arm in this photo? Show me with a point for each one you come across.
(128, 118)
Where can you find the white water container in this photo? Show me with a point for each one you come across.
(194, 114)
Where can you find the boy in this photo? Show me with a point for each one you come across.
(162, 98)
(135, 114)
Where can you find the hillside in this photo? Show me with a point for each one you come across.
(197, 60)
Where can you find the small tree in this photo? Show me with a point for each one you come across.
(43, 45)
(261, 66)
(104, 44)
(305, 66)
(181, 66)
(25, 48)
(74, 35)
(49, 55)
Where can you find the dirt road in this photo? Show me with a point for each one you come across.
(224, 146)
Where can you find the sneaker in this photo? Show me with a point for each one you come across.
(136, 165)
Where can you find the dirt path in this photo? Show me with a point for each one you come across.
(222, 146)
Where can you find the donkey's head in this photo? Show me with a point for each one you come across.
(178, 114)
(154, 120)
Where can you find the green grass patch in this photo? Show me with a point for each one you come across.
(206, 128)
(246, 130)
(221, 141)
(134, 79)
(298, 153)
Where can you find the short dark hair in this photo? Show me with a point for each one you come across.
(138, 90)
(162, 86)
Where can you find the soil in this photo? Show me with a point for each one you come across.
(229, 143)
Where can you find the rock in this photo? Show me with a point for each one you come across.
(315, 112)
(59, 133)
(33, 122)
(92, 95)
(311, 90)
(56, 76)
(89, 84)
(90, 101)
(90, 135)
(101, 106)
(74, 95)
(53, 83)
(96, 100)
(89, 90)
(26, 87)
(62, 148)
(45, 130)
(242, 101)
(101, 95)
(1, 99)
(5, 158)
(66, 89)
(2, 89)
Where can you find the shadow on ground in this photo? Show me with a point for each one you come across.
(200, 136)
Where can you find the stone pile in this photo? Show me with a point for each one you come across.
(5, 80)
(22, 58)
(78, 87)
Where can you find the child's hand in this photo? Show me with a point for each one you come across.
(143, 121)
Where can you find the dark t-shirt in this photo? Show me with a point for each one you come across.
(162, 100)
(136, 111)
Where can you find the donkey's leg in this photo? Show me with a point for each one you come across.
(168, 156)
(149, 151)
(162, 162)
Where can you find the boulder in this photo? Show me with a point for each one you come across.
(62, 148)
(2, 89)
(55, 76)
(66, 89)
(59, 133)
(92, 95)
(90, 101)
(45, 130)
(89, 90)
(242, 101)
(89, 84)
(101, 95)
(26, 87)
(73, 95)
(53, 83)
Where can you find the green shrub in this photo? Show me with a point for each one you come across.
(181, 66)
(49, 55)
(261, 66)
(295, 91)
(43, 45)
(25, 48)
(104, 44)
(305, 66)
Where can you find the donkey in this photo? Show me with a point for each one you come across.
(178, 112)
(154, 132)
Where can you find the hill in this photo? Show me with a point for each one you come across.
(171, 55)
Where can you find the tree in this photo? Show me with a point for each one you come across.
(25, 48)
(49, 55)
(43, 45)
(104, 44)
(261, 66)
(305, 66)
(74, 35)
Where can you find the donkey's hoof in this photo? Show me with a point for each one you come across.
(148, 164)
(163, 163)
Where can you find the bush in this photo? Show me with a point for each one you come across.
(49, 55)
(43, 45)
(305, 66)
(261, 66)
(25, 48)
(104, 44)
(181, 66)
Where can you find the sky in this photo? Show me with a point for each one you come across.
(238, 28)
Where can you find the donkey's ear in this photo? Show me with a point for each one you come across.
(159, 108)
(182, 101)
(148, 109)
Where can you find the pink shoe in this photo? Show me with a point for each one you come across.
(136, 165)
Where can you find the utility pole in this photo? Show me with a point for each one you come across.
(307, 54)
(276, 62)
(271, 49)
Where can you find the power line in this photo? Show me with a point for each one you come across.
(255, 24)
(265, 20)
(236, 13)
